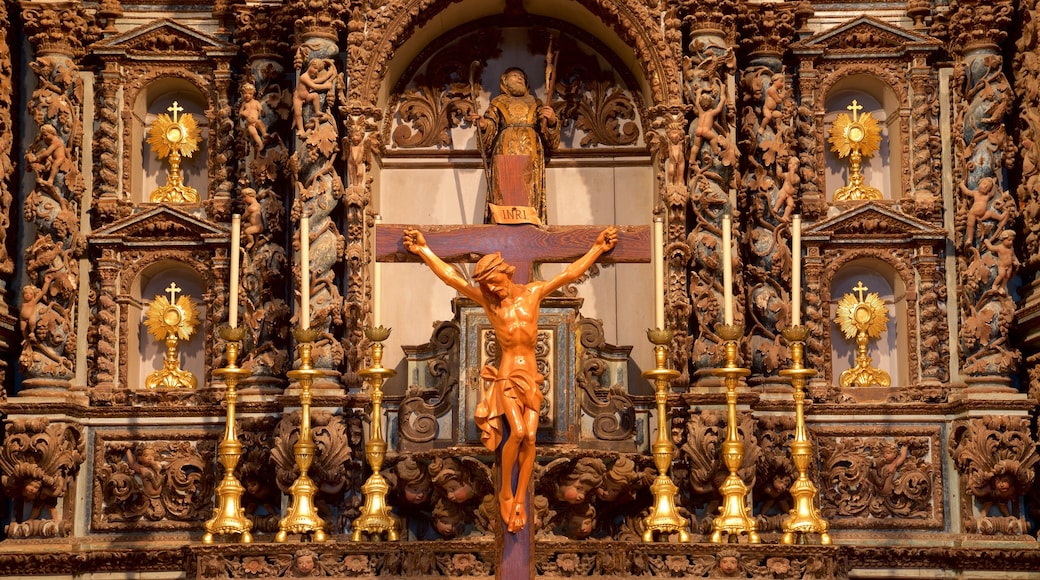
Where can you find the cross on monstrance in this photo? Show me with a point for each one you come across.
(172, 291)
(522, 246)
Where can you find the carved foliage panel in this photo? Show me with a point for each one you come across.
(881, 478)
(160, 482)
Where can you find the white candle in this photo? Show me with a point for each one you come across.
(305, 272)
(377, 281)
(658, 257)
(796, 270)
(236, 234)
(727, 268)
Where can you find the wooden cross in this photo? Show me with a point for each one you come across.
(523, 246)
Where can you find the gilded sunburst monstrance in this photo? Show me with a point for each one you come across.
(174, 137)
(862, 318)
(172, 320)
(856, 137)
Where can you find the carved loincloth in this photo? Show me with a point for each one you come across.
(521, 388)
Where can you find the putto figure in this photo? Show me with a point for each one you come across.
(512, 394)
(517, 123)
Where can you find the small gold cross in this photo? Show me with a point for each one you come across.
(855, 107)
(175, 108)
(860, 287)
(173, 290)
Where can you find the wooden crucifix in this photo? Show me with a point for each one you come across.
(506, 256)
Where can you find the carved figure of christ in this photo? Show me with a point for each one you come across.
(511, 299)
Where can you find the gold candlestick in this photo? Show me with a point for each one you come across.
(302, 518)
(803, 518)
(664, 517)
(228, 516)
(735, 516)
(375, 515)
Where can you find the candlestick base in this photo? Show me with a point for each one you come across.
(804, 518)
(734, 516)
(375, 518)
(302, 517)
(664, 517)
(229, 516)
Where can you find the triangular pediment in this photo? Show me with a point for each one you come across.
(162, 224)
(163, 37)
(866, 36)
(872, 221)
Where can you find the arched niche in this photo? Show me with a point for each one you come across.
(883, 170)
(152, 282)
(889, 351)
(593, 178)
(148, 171)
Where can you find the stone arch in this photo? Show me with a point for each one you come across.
(892, 98)
(140, 94)
(625, 26)
(195, 264)
(905, 320)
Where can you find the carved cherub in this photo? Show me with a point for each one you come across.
(892, 457)
(53, 157)
(412, 482)
(727, 564)
(585, 476)
(709, 103)
(774, 97)
(252, 218)
(785, 197)
(980, 202)
(251, 110)
(147, 466)
(319, 76)
(1007, 262)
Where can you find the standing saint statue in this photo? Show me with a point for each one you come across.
(517, 125)
(512, 395)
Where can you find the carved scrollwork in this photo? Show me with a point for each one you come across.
(155, 484)
(38, 461)
(420, 409)
(877, 477)
(611, 409)
(997, 457)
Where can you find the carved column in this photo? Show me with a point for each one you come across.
(934, 346)
(102, 353)
(925, 161)
(986, 210)
(769, 189)
(52, 206)
(671, 144)
(708, 68)
(261, 139)
(1026, 71)
(361, 127)
(319, 187)
(109, 203)
(221, 143)
(7, 321)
